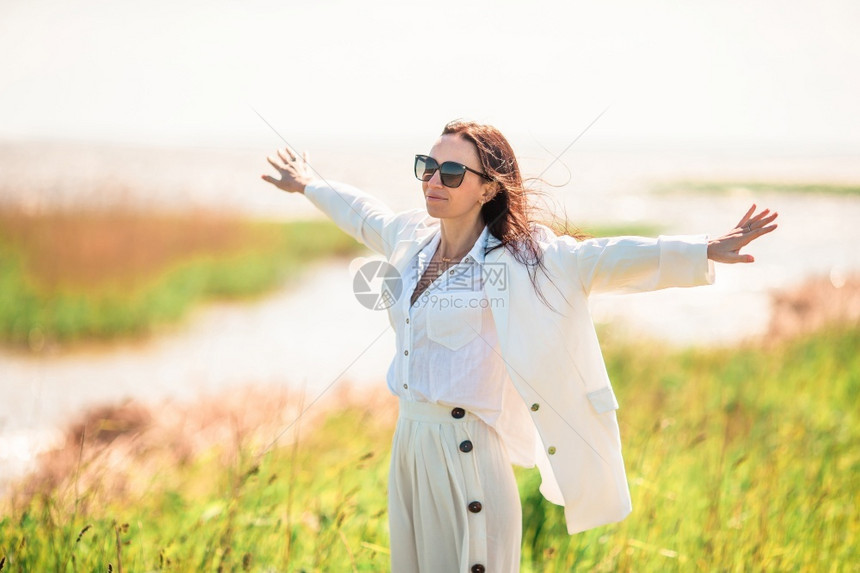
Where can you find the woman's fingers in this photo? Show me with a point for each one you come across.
(752, 221)
(770, 218)
(747, 238)
(292, 170)
(273, 163)
(761, 224)
(761, 219)
(754, 232)
(752, 225)
(736, 257)
(760, 215)
(746, 217)
(288, 157)
(766, 225)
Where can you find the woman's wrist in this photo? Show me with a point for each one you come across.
(302, 185)
(296, 186)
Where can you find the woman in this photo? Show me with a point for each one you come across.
(497, 360)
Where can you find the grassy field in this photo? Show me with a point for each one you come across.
(70, 277)
(755, 187)
(66, 277)
(739, 459)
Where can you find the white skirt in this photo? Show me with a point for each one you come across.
(453, 503)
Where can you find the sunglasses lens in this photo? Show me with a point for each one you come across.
(452, 174)
(425, 167)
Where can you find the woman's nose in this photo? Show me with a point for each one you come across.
(435, 180)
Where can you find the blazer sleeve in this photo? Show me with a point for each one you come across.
(361, 215)
(639, 264)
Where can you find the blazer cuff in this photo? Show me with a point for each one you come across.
(685, 258)
(313, 189)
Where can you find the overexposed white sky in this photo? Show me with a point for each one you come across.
(190, 72)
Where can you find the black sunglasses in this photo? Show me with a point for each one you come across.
(451, 173)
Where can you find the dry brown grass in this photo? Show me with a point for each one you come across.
(86, 249)
(115, 451)
(812, 306)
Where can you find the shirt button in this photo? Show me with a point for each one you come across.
(475, 507)
(406, 353)
(407, 321)
(451, 272)
(551, 450)
(406, 386)
(478, 568)
(535, 407)
(466, 446)
(458, 413)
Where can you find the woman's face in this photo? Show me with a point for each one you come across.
(460, 202)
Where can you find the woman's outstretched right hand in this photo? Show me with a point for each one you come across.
(294, 171)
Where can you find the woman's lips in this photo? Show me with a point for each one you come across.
(432, 198)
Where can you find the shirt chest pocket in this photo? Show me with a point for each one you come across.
(454, 319)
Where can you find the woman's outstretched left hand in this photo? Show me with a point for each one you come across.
(726, 249)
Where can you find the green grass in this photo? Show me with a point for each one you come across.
(738, 460)
(99, 308)
(741, 459)
(622, 229)
(728, 187)
(30, 312)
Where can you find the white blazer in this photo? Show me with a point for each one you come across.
(553, 357)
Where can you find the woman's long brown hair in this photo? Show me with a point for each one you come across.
(510, 215)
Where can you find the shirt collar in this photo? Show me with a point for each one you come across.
(476, 253)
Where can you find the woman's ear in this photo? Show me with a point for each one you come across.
(490, 190)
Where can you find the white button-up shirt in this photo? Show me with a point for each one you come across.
(448, 350)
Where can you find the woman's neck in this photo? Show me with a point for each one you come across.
(458, 237)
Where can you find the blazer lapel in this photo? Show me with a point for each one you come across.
(406, 249)
(497, 285)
